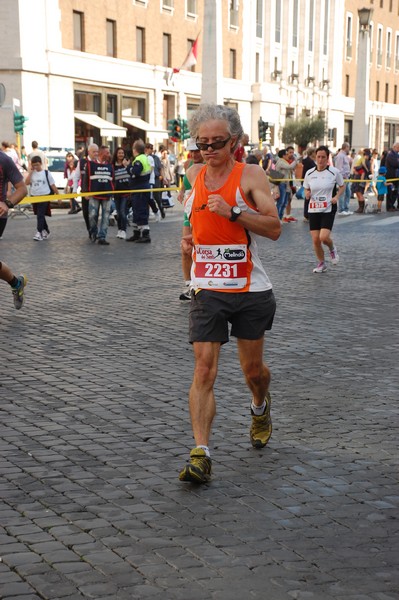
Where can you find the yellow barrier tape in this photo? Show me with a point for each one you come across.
(345, 180)
(53, 197)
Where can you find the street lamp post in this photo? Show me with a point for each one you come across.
(360, 128)
(212, 53)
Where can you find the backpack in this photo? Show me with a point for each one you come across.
(51, 192)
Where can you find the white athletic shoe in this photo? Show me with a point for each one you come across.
(334, 256)
(321, 268)
(38, 237)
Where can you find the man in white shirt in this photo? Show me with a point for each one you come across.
(37, 152)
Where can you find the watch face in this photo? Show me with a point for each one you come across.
(236, 210)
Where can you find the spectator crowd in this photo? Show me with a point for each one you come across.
(371, 178)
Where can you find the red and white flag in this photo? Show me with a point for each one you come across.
(191, 58)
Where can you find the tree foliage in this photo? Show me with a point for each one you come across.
(303, 131)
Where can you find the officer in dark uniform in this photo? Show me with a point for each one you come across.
(140, 171)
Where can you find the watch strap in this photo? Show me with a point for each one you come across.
(234, 215)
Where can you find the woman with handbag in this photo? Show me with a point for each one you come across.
(167, 172)
(70, 167)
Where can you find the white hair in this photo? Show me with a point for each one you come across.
(208, 112)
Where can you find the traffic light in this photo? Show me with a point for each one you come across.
(19, 122)
(175, 130)
(262, 129)
(185, 133)
(171, 127)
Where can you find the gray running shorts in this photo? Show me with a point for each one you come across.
(249, 313)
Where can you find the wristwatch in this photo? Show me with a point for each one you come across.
(235, 213)
(8, 203)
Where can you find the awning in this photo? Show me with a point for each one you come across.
(107, 129)
(143, 125)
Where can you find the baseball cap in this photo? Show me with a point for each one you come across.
(382, 170)
(192, 145)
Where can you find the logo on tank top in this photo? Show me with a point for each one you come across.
(213, 252)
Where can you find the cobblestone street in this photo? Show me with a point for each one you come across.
(94, 429)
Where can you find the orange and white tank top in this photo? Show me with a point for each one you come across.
(225, 254)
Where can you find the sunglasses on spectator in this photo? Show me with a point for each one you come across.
(215, 145)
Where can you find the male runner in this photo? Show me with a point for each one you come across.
(230, 208)
(10, 173)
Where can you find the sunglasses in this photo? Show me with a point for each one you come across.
(215, 145)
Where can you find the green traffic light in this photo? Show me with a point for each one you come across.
(176, 129)
(19, 122)
(171, 127)
(184, 129)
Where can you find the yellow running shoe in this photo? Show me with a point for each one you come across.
(261, 428)
(18, 292)
(198, 470)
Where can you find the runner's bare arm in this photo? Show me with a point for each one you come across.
(180, 195)
(192, 172)
(256, 187)
(187, 243)
(18, 194)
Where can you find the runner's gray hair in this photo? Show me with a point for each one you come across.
(208, 112)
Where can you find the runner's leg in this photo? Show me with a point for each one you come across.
(317, 247)
(256, 372)
(202, 398)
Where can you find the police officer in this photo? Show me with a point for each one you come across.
(140, 171)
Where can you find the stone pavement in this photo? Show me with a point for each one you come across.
(95, 426)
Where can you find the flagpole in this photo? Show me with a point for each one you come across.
(212, 53)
